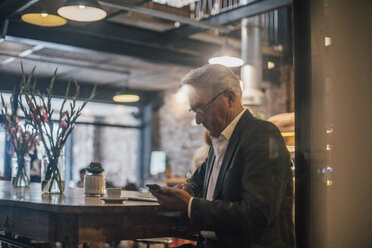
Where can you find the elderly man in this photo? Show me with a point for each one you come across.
(242, 194)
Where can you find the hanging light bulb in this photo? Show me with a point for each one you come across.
(82, 10)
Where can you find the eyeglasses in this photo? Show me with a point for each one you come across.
(201, 109)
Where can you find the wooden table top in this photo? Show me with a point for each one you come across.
(72, 200)
(73, 218)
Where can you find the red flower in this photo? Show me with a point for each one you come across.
(13, 131)
(45, 116)
(63, 124)
(27, 136)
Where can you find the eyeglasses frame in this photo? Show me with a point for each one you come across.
(202, 108)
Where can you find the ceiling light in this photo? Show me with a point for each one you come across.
(26, 53)
(82, 10)
(125, 97)
(227, 57)
(270, 65)
(30, 51)
(7, 61)
(226, 61)
(44, 19)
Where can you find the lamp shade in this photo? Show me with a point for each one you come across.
(228, 61)
(125, 96)
(44, 19)
(82, 10)
(227, 57)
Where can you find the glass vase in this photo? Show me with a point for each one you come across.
(53, 174)
(21, 171)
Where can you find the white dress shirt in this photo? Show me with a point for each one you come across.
(219, 146)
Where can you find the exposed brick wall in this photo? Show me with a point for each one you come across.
(178, 138)
(276, 102)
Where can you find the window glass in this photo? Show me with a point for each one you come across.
(115, 147)
(2, 152)
(107, 133)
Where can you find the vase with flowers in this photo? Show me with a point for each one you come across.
(39, 113)
(22, 138)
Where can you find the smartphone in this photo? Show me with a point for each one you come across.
(154, 187)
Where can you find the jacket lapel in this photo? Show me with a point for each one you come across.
(231, 148)
(210, 163)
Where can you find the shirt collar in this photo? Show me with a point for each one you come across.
(227, 132)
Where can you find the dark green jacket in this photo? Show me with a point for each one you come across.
(252, 202)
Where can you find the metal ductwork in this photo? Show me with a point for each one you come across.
(251, 53)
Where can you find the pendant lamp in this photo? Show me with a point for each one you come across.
(44, 19)
(125, 95)
(227, 57)
(82, 10)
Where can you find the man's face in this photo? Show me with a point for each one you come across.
(212, 110)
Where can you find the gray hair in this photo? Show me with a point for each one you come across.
(215, 77)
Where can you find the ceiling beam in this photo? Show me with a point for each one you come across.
(104, 93)
(23, 7)
(160, 14)
(248, 10)
(68, 62)
(149, 38)
(118, 39)
(9, 8)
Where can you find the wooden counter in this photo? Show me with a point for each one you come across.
(72, 218)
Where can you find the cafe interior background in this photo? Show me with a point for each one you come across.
(305, 67)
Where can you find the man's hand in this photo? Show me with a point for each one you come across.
(186, 187)
(173, 198)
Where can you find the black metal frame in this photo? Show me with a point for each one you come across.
(302, 77)
(310, 128)
(6, 240)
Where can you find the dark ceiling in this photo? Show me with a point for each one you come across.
(136, 45)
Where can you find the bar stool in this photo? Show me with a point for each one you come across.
(148, 242)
